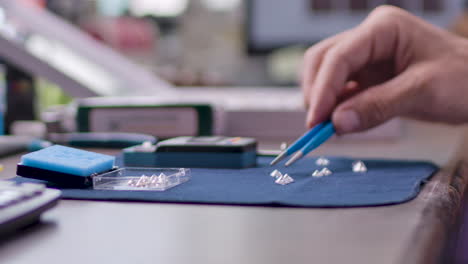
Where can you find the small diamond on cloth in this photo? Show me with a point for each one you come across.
(317, 174)
(285, 179)
(276, 174)
(320, 173)
(359, 167)
(325, 171)
(322, 161)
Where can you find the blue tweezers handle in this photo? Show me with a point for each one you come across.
(302, 141)
(319, 138)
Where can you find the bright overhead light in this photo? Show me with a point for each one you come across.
(70, 63)
(160, 8)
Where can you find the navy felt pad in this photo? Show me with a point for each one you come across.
(386, 182)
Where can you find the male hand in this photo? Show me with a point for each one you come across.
(393, 64)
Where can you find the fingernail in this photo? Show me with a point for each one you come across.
(309, 121)
(347, 121)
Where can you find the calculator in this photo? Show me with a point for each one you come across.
(22, 204)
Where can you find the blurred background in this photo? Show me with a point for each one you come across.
(204, 43)
(227, 42)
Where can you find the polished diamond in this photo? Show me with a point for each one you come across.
(153, 179)
(287, 178)
(359, 167)
(143, 181)
(182, 172)
(132, 182)
(283, 146)
(276, 174)
(325, 171)
(317, 174)
(284, 179)
(322, 161)
(162, 179)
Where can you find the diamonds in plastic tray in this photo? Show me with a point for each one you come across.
(141, 179)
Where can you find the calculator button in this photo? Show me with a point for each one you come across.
(10, 196)
(30, 189)
(7, 184)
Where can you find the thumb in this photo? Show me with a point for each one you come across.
(374, 105)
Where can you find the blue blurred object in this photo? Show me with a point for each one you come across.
(68, 160)
(307, 143)
(93, 140)
(386, 182)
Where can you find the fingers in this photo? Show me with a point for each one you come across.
(376, 104)
(312, 61)
(374, 40)
(351, 89)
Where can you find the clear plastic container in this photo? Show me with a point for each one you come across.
(141, 179)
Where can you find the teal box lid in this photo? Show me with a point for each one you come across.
(164, 120)
(195, 152)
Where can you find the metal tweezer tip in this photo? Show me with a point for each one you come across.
(278, 158)
(294, 158)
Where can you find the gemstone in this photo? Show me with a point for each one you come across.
(153, 179)
(317, 174)
(283, 146)
(284, 179)
(359, 167)
(276, 174)
(162, 179)
(288, 179)
(325, 171)
(322, 161)
(132, 182)
(182, 172)
(143, 181)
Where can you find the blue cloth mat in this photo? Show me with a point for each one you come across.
(386, 182)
